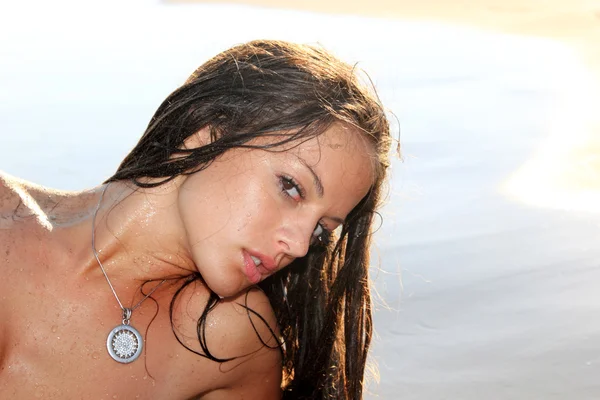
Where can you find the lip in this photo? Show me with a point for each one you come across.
(266, 263)
(250, 269)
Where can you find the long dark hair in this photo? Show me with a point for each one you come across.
(293, 93)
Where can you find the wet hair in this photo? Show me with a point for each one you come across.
(291, 93)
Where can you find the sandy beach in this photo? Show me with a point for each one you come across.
(575, 22)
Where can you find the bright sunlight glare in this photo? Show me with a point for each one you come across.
(564, 172)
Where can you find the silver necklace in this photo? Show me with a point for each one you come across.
(124, 342)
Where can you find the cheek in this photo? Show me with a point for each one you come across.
(254, 208)
(242, 203)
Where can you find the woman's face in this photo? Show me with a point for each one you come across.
(252, 212)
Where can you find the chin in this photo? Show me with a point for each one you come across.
(224, 289)
(224, 282)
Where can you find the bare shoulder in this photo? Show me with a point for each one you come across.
(15, 201)
(9, 199)
(248, 319)
(249, 331)
(20, 198)
(243, 330)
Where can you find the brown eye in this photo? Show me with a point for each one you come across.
(287, 184)
(291, 188)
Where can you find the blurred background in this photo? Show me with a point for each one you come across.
(487, 263)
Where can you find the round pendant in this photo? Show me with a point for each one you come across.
(124, 344)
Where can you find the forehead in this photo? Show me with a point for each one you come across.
(339, 142)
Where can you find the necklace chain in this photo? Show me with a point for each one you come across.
(126, 311)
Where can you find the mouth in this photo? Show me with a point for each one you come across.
(251, 268)
(256, 260)
(258, 265)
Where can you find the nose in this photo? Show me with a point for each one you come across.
(293, 237)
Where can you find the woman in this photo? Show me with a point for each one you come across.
(211, 252)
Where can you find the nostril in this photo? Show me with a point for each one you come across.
(284, 246)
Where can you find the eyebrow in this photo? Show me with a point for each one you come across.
(316, 179)
(319, 188)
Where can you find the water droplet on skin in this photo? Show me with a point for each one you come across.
(40, 390)
(54, 328)
(95, 355)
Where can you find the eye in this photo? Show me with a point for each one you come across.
(291, 188)
(320, 236)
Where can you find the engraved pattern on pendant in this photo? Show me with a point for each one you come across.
(124, 344)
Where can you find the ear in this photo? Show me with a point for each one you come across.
(198, 139)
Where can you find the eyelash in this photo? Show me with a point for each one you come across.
(284, 179)
(325, 236)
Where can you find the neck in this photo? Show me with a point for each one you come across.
(137, 237)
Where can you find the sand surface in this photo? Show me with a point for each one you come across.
(576, 22)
